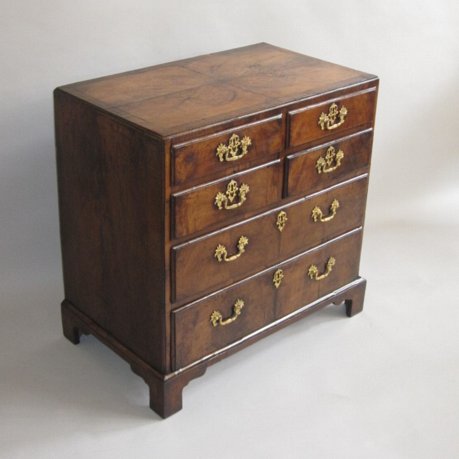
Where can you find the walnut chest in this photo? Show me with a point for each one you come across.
(208, 202)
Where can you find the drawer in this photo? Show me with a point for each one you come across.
(226, 200)
(332, 118)
(210, 324)
(219, 259)
(320, 167)
(227, 152)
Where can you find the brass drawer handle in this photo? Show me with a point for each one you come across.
(313, 271)
(226, 200)
(216, 317)
(230, 152)
(221, 254)
(318, 216)
(328, 121)
(331, 161)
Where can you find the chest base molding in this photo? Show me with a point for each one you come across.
(166, 390)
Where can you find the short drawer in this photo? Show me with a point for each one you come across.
(226, 200)
(223, 257)
(227, 152)
(320, 167)
(210, 324)
(333, 118)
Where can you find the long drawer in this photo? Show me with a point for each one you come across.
(223, 257)
(207, 325)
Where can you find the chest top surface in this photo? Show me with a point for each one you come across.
(185, 95)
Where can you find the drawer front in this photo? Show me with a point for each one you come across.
(203, 327)
(227, 152)
(226, 200)
(229, 255)
(324, 166)
(332, 118)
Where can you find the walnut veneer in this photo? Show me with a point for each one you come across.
(208, 202)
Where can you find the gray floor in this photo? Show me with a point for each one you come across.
(384, 384)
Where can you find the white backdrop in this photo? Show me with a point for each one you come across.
(413, 46)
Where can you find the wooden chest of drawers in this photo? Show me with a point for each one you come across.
(208, 202)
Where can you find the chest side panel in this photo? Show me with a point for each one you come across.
(111, 203)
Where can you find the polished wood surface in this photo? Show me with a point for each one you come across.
(195, 270)
(166, 390)
(195, 209)
(302, 174)
(185, 95)
(304, 126)
(195, 337)
(111, 248)
(138, 176)
(196, 161)
(300, 289)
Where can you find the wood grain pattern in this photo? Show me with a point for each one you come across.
(113, 262)
(184, 95)
(137, 180)
(303, 177)
(197, 161)
(304, 126)
(196, 270)
(300, 289)
(166, 389)
(195, 210)
(195, 337)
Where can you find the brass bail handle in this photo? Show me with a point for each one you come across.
(333, 119)
(216, 318)
(236, 149)
(313, 271)
(318, 216)
(330, 162)
(221, 254)
(227, 200)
